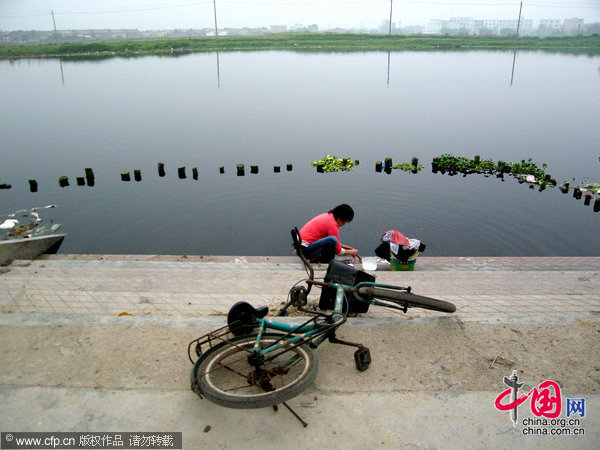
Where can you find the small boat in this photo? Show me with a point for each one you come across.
(29, 248)
(23, 236)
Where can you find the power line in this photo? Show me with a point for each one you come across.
(183, 4)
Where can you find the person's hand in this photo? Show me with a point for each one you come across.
(353, 252)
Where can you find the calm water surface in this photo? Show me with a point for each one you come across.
(274, 108)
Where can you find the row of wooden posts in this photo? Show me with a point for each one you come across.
(181, 171)
(385, 165)
(89, 178)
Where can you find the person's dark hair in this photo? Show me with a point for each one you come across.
(344, 212)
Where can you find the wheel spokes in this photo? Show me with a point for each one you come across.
(267, 378)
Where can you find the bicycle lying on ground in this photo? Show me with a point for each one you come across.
(242, 365)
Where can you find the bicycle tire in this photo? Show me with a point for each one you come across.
(413, 300)
(226, 378)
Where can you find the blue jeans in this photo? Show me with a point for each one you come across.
(323, 249)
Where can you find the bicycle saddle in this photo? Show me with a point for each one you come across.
(296, 241)
(242, 317)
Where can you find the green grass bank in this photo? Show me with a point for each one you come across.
(309, 42)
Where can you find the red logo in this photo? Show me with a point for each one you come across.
(545, 399)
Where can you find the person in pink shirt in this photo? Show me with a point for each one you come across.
(321, 238)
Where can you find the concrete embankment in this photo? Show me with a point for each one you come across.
(98, 343)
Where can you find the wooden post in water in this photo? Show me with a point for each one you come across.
(289, 167)
(5, 186)
(222, 169)
(415, 163)
(181, 172)
(89, 176)
(195, 173)
(80, 181)
(276, 169)
(33, 185)
(378, 166)
(577, 193)
(320, 168)
(253, 169)
(161, 169)
(587, 199)
(125, 176)
(63, 181)
(137, 175)
(597, 205)
(388, 165)
(240, 170)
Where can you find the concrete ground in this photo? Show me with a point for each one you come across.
(99, 344)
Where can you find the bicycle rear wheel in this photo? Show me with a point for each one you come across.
(226, 378)
(412, 300)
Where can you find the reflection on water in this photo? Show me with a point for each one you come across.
(275, 108)
(388, 68)
(62, 74)
(512, 73)
(218, 72)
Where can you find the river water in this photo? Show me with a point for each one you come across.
(279, 108)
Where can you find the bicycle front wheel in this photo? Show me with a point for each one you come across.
(412, 300)
(226, 378)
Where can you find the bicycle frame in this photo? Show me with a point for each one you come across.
(314, 333)
(310, 332)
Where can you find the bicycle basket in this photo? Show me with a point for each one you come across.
(341, 273)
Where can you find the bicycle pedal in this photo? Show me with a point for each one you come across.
(362, 358)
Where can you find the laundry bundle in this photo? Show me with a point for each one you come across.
(395, 245)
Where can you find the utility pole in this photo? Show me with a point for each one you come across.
(391, 4)
(54, 22)
(389, 34)
(215, 8)
(519, 22)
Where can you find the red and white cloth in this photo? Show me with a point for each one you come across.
(397, 240)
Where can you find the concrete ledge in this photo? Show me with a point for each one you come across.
(424, 263)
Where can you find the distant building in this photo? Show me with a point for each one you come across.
(464, 24)
(551, 24)
(221, 33)
(498, 26)
(573, 26)
(469, 25)
(454, 25)
(278, 28)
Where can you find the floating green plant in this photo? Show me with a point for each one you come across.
(525, 170)
(461, 164)
(334, 164)
(408, 167)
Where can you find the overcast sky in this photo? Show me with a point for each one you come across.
(368, 14)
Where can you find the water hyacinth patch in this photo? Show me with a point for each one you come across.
(525, 170)
(331, 163)
(408, 167)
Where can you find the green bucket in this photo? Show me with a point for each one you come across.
(397, 265)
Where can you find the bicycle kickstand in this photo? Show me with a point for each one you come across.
(296, 415)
